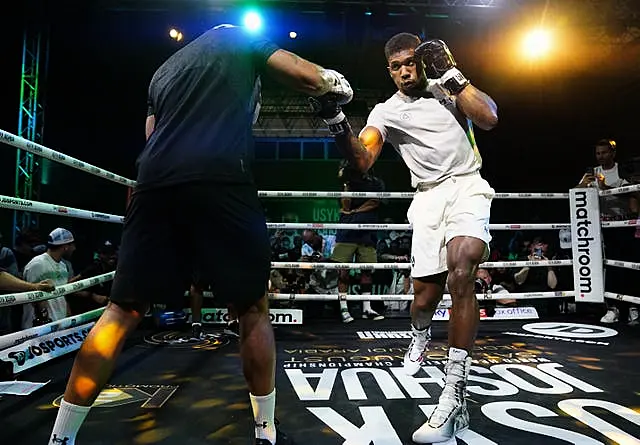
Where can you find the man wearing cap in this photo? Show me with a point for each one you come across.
(49, 266)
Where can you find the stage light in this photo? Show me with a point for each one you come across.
(537, 43)
(293, 35)
(173, 33)
(252, 21)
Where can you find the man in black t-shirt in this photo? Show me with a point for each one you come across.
(357, 244)
(96, 296)
(197, 162)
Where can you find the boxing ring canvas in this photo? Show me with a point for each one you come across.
(532, 382)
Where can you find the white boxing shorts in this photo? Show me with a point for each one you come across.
(457, 206)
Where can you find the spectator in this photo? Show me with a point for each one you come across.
(399, 251)
(485, 276)
(49, 266)
(23, 249)
(357, 244)
(537, 279)
(105, 261)
(8, 260)
(617, 242)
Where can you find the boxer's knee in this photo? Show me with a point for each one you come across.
(428, 292)
(133, 309)
(461, 279)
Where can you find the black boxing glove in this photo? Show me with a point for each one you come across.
(440, 64)
(330, 111)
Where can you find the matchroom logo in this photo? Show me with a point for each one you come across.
(586, 245)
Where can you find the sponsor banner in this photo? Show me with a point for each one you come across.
(588, 275)
(278, 316)
(147, 396)
(6, 341)
(42, 349)
(502, 313)
(570, 330)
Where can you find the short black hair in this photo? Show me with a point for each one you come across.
(400, 42)
(607, 143)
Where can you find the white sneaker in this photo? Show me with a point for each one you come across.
(612, 316)
(346, 316)
(372, 315)
(413, 357)
(450, 416)
(634, 316)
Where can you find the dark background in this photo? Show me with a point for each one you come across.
(103, 55)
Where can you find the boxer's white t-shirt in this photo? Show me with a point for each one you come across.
(435, 140)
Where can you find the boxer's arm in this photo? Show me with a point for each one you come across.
(478, 106)
(361, 151)
(297, 73)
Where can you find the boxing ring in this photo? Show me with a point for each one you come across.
(561, 378)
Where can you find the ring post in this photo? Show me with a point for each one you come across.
(586, 245)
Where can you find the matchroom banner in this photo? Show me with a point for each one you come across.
(586, 244)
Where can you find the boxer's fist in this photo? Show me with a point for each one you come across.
(326, 106)
(338, 86)
(440, 64)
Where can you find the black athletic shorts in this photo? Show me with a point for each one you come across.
(211, 233)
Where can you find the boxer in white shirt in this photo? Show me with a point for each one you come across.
(429, 122)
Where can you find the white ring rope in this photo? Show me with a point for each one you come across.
(342, 226)
(393, 195)
(620, 190)
(56, 156)
(15, 338)
(623, 264)
(446, 297)
(627, 223)
(8, 202)
(65, 289)
(622, 297)
(386, 266)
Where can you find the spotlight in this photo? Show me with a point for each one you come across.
(173, 33)
(537, 43)
(293, 34)
(252, 21)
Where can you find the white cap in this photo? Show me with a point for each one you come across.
(60, 237)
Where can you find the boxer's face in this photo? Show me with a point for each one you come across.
(407, 72)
